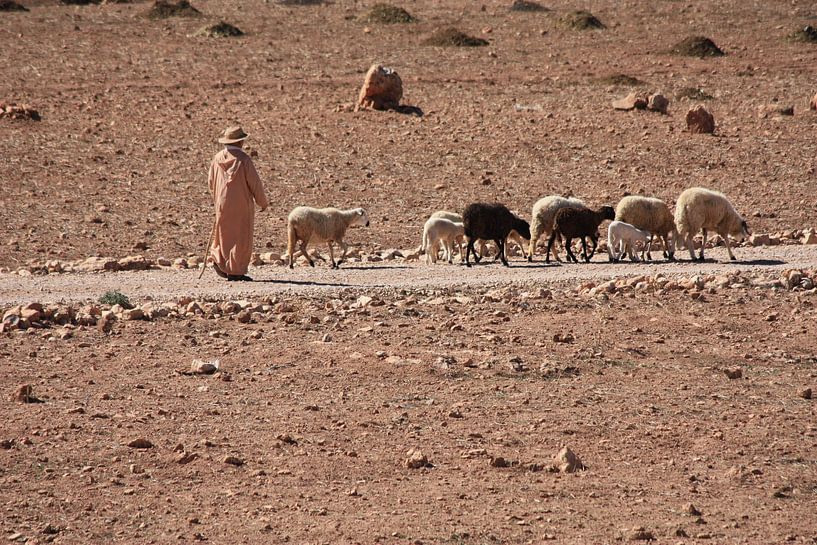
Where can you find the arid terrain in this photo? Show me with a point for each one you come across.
(684, 388)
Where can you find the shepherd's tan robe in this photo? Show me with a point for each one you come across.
(234, 184)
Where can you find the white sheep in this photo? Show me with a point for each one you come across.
(306, 224)
(542, 215)
(454, 217)
(622, 238)
(651, 215)
(437, 231)
(703, 209)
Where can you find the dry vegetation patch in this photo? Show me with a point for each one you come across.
(697, 46)
(580, 20)
(527, 6)
(163, 10)
(388, 15)
(693, 93)
(219, 30)
(451, 37)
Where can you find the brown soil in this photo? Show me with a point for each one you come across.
(622, 80)
(697, 46)
(388, 15)
(451, 37)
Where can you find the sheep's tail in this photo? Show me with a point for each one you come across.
(292, 240)
(424, 243)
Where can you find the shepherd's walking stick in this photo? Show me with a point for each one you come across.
(207, 251)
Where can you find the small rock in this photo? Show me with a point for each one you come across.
(813, 104)
(382, 89)
(700, 121)
(810, 238)
(566, 461)
(25, 394)
(690, 509)
(186, 457)
(631, 102)
(416, 459)
(733, 373)
(140, 442)
(639, 533)
(244, 317)
(499, 461)
(658, 103)
(233, 460)
(805, 394)
(202, 367)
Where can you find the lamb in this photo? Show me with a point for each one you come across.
(454, 217)
(440, 230)
(703, 209)
(622, 237)
(652, 215)
(306, 224)
(570, 223)
(491, 222)
(542, 215)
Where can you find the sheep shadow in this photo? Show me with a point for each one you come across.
(759, 262)
(303, 283)
(405, 109)
(374, 268)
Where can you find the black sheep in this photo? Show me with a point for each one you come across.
(570, 223)
(491, 222)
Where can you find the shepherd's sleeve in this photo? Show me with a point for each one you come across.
(211, 181)
(256, 187)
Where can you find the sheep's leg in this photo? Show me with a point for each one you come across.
(500, 251)
(725, 238)
(305, 253)
(703, 245)
(690, 242)
(610, 252)
(550, 247)
(584, 250)
(569, 249)
(332, 264)
(595, 241)
(469, 247)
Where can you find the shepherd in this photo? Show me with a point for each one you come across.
(236, 189)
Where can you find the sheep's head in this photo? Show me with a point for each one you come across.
(607, 213)
(361, 217)
(741, 232)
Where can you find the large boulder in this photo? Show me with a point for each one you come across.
(382, 89)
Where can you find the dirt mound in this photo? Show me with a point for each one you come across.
(693, 93)
(619, 79)
(451, 37)
(527, 6)
(163, 10)
(697, 46)
(580, 20)
(387, 14)
(10, 5)
(219, 30)
(806, 34)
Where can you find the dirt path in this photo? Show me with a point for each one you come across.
(168, 284)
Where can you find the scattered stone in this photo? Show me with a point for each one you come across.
(140, 443)
(219, 30)
(566, 461)
(631, 102)
(812, 105)
(416, 460)
(527, 6)
(639, 533)
(233, 460)
(810, 238)
(658, 103)
(580, 20)
(10, 5)
(693, 93)
(805, 394)
(133, 314)
(563, 338)
(300, 2)
(6, 444)
(387, 14)
(806, 34)
(697, 46)
(25, 394)
(98, 264)
(134, 263)
(202, 367)
(499, 461)
(759, 239)
(775, 110)
(106, 321)
(700, 121)
(162, 9)
(451, 37)
(733, 373)
(382, 89)
(690, 509)
(22, 112)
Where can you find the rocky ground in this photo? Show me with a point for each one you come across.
(391, 401)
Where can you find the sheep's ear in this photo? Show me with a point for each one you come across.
(359, 211)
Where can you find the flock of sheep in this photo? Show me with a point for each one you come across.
(635, 222)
